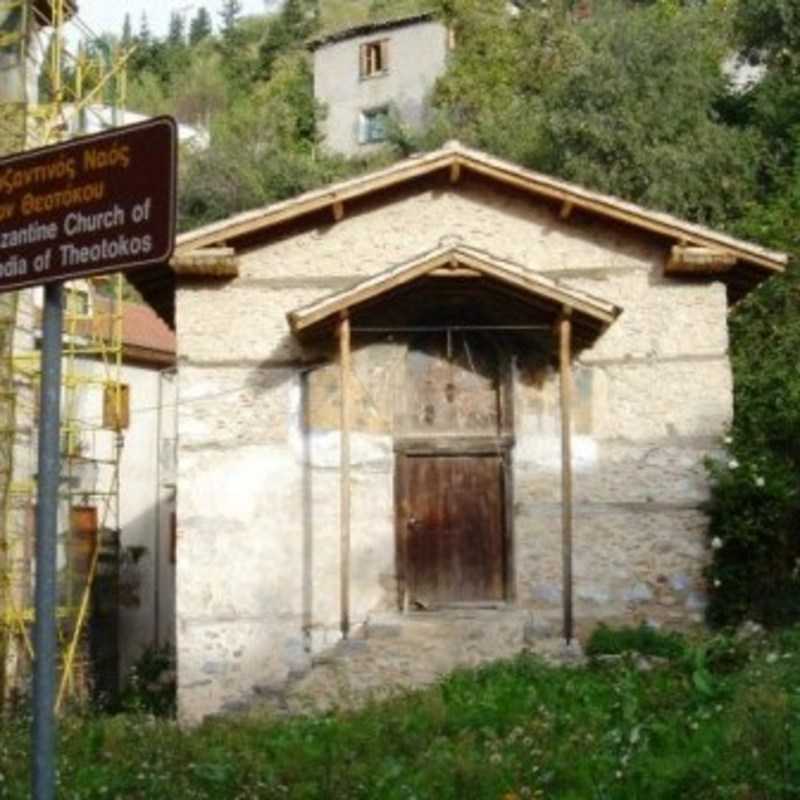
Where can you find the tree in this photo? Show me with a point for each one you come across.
(144, 36)
(295, 21)
(200, 26)
(176, 35)
(229, 15)
(263, 149)
(127, 32)
(755, 504)
(624, 102)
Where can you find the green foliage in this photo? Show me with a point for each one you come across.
(755, 506)
(127, 31)
(264, 149)
(296, 20)
(625, 102)
(150, 687)
(644, 639)
(177, 34)
(339, 14)
(511, 731)
(770, 30)
(229, 16)
(200, 26)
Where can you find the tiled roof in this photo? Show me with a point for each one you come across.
(368, 28)
(142, 327)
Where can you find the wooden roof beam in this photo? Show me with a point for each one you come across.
(692, 260)
(209, 262)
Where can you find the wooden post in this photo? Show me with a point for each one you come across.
(565, 359)
(344, 474)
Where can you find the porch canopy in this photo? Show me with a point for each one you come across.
(457, 287)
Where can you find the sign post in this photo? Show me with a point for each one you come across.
(91, 206)
(45, 635)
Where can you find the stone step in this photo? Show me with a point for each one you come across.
(394, 651)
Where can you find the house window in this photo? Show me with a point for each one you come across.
(374, 58)
(373, 125)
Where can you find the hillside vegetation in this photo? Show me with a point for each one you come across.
(636, 98)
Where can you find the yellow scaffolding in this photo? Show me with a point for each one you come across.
(15, 23)
(92, 391)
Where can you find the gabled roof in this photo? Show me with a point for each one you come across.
(368, 28)
(459, 160)
(449, 263)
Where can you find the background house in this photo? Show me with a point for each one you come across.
(117, 489)
(364, 75)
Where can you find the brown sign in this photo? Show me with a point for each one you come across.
(101, 203)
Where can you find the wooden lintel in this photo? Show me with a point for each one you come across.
(344, 473)
(565, 363)
(688, 260)
(455, 172)
(566, 209)
(338, 210)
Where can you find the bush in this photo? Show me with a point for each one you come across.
(755, 504)
(645, 640)
(753, 538)
(151, 685)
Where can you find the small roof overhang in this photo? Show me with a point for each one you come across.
(531, 295)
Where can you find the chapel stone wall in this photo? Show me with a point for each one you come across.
(258, 468)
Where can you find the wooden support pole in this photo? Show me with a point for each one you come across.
(344, 473)
(565, 359)
(455, 172)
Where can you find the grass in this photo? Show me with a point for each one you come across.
(719, 720)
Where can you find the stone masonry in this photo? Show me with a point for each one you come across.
(259, 443)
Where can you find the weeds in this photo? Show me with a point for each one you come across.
(515, 730)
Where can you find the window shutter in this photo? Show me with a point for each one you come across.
(362, 56)
(384, 55)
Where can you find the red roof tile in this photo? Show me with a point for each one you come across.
(142, 327)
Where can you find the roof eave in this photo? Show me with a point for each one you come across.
(457, 157)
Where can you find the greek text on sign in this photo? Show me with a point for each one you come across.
(97, 204)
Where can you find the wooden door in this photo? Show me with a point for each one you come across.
(452, 528)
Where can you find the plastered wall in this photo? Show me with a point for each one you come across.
(417, 55)
(258, 494)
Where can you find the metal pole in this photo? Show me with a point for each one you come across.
(565, 359)
(45, 638)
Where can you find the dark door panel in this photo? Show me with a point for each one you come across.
(452, 522)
